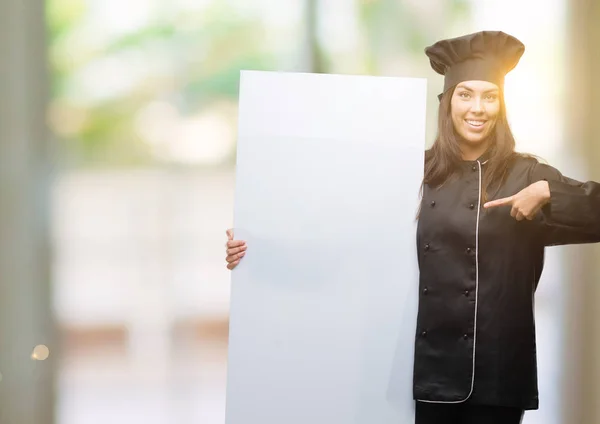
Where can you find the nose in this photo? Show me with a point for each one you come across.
(477, 106)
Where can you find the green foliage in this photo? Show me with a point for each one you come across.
(193, 59)
(399, 28)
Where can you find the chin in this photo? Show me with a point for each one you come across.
(476, 137)
(474, 141)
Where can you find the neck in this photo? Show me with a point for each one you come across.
(471, 153)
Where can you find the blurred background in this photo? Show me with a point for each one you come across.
(117, 163)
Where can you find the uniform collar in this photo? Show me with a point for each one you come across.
(483, 159)
(473, 164)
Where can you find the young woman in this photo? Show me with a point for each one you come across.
(486, 215)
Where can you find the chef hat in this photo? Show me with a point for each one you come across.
(482, 56)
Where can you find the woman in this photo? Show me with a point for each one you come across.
(486, 215)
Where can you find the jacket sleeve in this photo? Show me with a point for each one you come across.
(573, 214)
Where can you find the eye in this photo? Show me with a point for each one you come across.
(464, 95)
(491, 97)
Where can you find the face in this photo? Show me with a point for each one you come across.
(475, 107)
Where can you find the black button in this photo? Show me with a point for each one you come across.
(427, 247)
(432, 203)
(469, 250)
(471, 206)
(465, 336)
(424, 334)
(425, 290)
(466, 292)
(474, 168)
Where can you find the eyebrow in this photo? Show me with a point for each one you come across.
(466, 87)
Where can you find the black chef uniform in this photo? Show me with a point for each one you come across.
(479, 269)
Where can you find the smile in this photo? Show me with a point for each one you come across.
(475, 123)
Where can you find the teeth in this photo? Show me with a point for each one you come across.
(476, 123)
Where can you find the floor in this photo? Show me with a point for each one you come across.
(100, 383)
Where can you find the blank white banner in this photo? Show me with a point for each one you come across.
(323, 305)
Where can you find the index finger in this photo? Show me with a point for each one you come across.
(499, 202)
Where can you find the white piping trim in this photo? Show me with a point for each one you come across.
(533, 297)
(476, 299)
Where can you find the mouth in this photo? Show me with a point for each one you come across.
(475, 124)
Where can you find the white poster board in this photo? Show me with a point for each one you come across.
(323, 305)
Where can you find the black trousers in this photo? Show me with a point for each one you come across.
(465, 413)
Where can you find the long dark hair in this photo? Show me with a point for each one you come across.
(443, 160)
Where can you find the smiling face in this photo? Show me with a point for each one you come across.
(475, 107)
